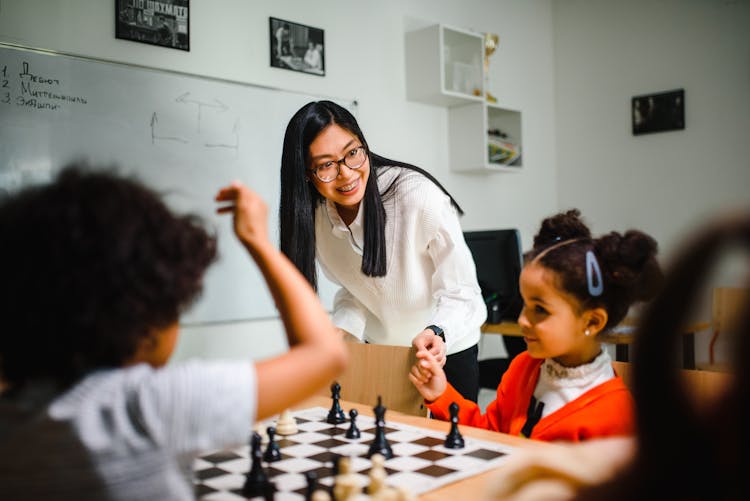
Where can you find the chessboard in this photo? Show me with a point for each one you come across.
(420, 461)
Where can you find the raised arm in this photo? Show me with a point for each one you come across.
(317, 354)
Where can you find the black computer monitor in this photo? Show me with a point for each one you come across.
(498, 258)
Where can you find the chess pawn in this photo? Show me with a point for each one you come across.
(345, 486)
(377, 474)
(353, 431)
(286, 424)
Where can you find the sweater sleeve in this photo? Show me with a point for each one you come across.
(459, 308)
(348, 313)
(469, 412)
(198, 405)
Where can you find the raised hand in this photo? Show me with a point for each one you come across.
(249, 210)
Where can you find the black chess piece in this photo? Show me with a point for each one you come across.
(256, 479)
(311, 479)
(353, 431)
(269, 491)
(336, 414)
(273, 452)
(380, 444)
(454, 440)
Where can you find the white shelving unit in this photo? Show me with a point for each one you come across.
(469, 140)
(445, 67)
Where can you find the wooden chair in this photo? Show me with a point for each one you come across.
(380, 370)
(727, 304)
(703, 385)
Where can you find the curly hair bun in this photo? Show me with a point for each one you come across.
(560, 227)
(631, 262)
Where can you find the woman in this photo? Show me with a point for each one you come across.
(386, 232)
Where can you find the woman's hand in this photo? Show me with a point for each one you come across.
(427, 340)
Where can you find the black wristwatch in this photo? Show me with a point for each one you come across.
(437, 330)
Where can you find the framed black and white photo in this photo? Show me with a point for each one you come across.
(659, 112)
(156, 22)
(297, 47)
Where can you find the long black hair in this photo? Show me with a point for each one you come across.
(299, 198)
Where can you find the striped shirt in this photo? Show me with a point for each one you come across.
(124, 434)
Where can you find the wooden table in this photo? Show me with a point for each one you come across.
(469, 488)
(622, 337)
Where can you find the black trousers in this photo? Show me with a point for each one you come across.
(462, 371)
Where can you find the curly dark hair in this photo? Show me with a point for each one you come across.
(629, 268)
(93, 263)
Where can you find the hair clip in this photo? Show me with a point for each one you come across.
(593, 275)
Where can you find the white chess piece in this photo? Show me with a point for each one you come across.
(404, 494)
(320, 495)
(286, 424)
(386, 494)
(377, 474)
(345, 487)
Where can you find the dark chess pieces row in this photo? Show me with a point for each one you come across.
(257, 483)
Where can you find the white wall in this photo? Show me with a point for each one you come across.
(364, 50)
(571, 66)
(607, 51)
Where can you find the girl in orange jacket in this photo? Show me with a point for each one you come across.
(563, 387)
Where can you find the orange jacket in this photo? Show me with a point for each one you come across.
(603, 411)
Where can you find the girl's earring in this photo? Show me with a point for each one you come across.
(587, 332)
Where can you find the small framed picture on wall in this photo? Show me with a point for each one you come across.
(297, 47)
(660, 112)
(156, 22)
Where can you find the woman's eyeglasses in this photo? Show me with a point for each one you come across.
(328, 171)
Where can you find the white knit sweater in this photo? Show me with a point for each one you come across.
(430, 276)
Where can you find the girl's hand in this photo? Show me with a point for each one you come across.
(427, 376)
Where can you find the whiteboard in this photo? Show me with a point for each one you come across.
(181, 134)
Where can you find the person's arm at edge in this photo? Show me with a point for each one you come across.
(317, 353)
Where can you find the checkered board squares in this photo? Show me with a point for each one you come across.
(421, 463)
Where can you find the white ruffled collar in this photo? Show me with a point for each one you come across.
(556, 375)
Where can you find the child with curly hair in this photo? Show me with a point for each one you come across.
(96, 271)
(563, 387)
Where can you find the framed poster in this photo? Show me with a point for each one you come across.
(660, 112)
(157, 22)
(297, 47)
